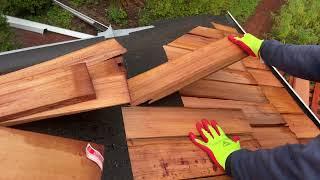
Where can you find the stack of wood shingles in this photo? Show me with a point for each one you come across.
(244, 98)
(81, 81)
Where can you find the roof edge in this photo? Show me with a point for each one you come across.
(45, 45)
(288, 87)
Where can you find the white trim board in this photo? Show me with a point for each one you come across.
(42, 46)
(40, 28)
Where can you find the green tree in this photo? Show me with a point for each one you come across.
(167, 9)
(25, 7)
(55, 16)
(298, 22)
(116, 13)
(6, 36)
(43, 11)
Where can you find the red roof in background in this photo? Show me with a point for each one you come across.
(28, 38)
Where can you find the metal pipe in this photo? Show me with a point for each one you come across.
(85, 18)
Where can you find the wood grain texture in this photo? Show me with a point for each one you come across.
(302, 87)
(33, 94)
(147, 122)
(257, 114)
(264, 77)
(110, 87)
(224, 90)
(281, 100)
(255, 63)
(191, 42)
(271, 137)
(237, 66)
(174, 158)
(301, 126)
(174, 53)
(315, 99)
(208, 32)
(234, 76)
(225, 28)
(172, 76)
(169, 158)
(29, 156)
(93, 54)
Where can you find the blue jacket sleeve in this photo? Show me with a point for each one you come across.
(301, 61)
(295, 161)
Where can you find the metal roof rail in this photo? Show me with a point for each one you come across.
(40, 28)
(42, 46)
(99, 26)
(106, 31)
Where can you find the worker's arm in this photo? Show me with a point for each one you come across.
(286, 162)
(296, 161)
(298, 60)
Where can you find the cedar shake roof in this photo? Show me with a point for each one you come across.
(245, 98)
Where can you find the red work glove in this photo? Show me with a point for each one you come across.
(249, 43)
(215, 142)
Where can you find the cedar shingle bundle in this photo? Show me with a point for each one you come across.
(57, 88)
(83, 80)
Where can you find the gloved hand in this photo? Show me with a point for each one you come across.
(249, 43)
(215, 142)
